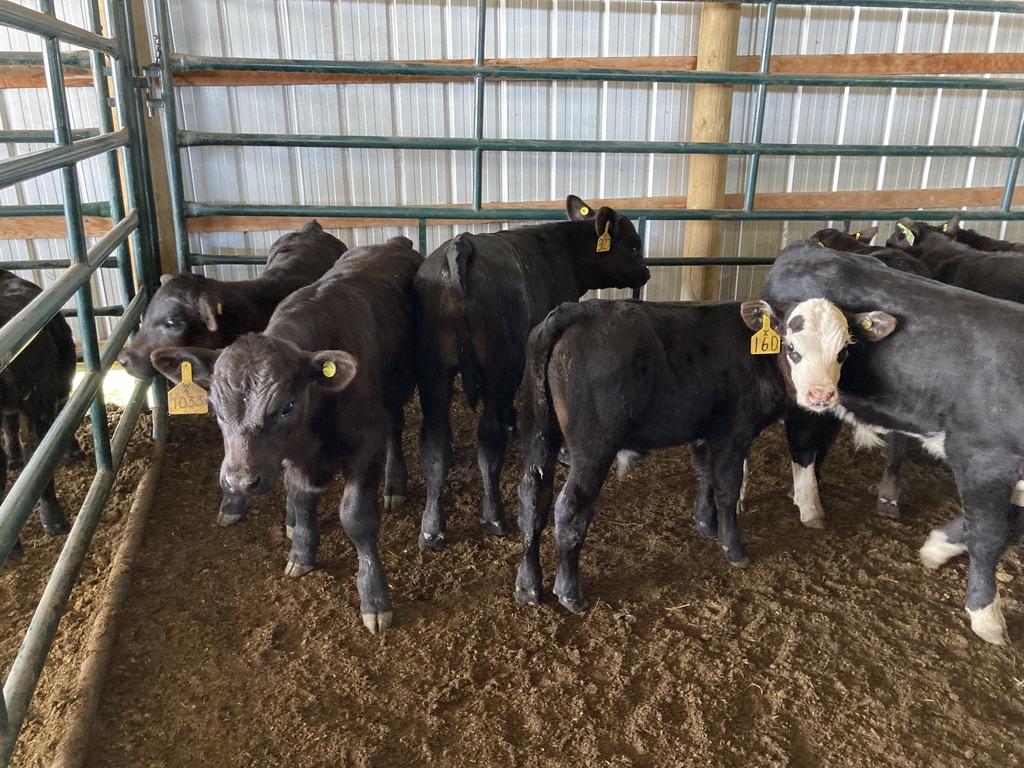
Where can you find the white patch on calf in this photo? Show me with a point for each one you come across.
(1018, 494)
(743, 487)
(805, 495)
(624, 461)
(988, 622)
(938, 549)
(934, 444)
(822, 335)
(864, 435)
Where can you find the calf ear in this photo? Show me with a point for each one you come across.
(952, 226)
(873, 326)
(333, 369)
(752, 312)
(577, 209)
(165, 279)
(906, 233)
(867, 234)
(605, 218)
(168, 361)
(209, 310)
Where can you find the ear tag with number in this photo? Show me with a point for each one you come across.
(766, 341)
(187, 397)
(328, 369)
(907, 232)
(604, 242)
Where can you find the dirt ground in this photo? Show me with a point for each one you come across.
(834, 647)
(22, 581)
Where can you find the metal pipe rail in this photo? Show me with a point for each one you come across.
(42, 137)
(132, 211)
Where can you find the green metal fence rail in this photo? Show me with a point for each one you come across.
(761, 81)
(131, 210)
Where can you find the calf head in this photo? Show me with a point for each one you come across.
(184, 311)
(622, 264)
(263, 391)
(838, 240)
(909, 233)
(815, 336)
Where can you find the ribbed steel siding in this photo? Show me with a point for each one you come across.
(28, 108)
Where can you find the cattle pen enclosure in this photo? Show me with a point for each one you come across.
(159, 136)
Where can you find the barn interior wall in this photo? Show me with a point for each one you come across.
(445, 29)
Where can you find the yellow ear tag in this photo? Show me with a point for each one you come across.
(220, 308)
(604, 242)
(329, 369)
(945, 227)
(766, 341)
(907, 232)
(584, 211)
(856, 235)
(187, 397)
(866, 324)
(821, 244)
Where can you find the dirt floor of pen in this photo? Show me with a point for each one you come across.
(834, 647)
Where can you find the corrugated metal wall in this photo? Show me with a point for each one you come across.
(445, 29)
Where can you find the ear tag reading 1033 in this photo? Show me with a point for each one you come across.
(766, 341)
(187, 397)
(604, 242)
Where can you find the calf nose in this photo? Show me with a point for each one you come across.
(822, 397)
(240, 482)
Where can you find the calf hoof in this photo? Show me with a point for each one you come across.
(62, 528)
(297, 570)
(431, 542)
(988, 623)
(741, 562)
(814, 522)
(289, 532)
(393, 501)
(706, 530)
(888, 508)
(494, 527)
(573, 604)
(225, 519)
(527, 596)
(377, 622)
(15, 464)
(563, 457)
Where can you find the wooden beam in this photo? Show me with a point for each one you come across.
(712, 115)
(828, 64)
(32, 227)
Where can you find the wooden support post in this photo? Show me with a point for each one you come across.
(712, 113)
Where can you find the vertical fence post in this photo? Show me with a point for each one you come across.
(712, 112)
(114, 192)
(76, 239)
(638, 293)
(170, 129)
(478, 102)
(754, 159)
(421, 230)
(1014, 169)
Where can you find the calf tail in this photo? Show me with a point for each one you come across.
(543, 434)
(459, 252)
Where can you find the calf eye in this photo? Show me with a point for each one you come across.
(792, 354)
(842, 355)
(172, 322)
(288, 408)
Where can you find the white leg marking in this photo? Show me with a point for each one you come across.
(743, 488)
(805, 496)
(935, 444)
(624, 461)
(1018, 494)
(938, 549)
(988, 623)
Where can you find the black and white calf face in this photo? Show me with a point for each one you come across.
(261, 389)
(815, 336)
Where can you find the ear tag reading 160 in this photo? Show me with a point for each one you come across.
(604, 242)
(766, 341)
(187, 397)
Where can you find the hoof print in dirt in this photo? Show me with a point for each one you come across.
(377, 622)
(297, 570)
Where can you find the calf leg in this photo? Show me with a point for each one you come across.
(396, 476)
(704, 514)
(361, 520)
(727, 473)
(300, 507)
(535, 492)
(12, 440)
(436, 454)
(573, 512)
(810, 436)
(945, 543)
(55, 523)
(492, 440)
(896, 445)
